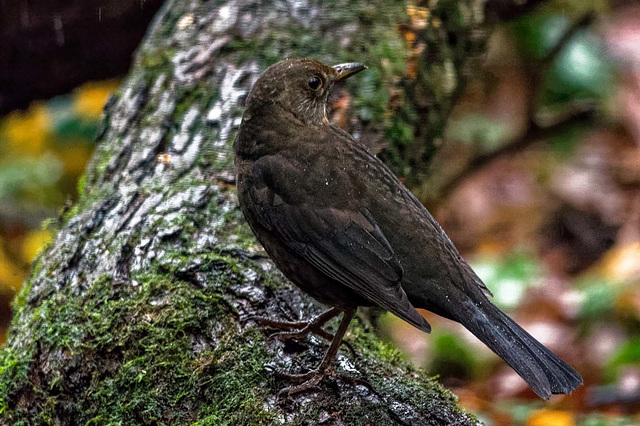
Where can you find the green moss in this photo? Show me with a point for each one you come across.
(144, 339)
(14, 374)
(84, 202)
(370, 345)
(82, 182)
(102, 157)
(380, 46)
(134, 353)
(238, 390)
(200, 96)
(156, 61)
(160, 375)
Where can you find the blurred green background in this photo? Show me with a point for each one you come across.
(552, 225)
(43, 153)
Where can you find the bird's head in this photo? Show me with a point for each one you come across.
(299, 86)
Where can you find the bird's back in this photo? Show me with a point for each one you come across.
(430, 261)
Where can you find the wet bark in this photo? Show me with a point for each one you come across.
(138, 312)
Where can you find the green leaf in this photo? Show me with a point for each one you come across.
(599, 299)
(628, 353)
(452, 356)
(478, 129)
(508, 278)
(538, 35)
(581, 70)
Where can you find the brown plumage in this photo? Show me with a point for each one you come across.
(343, 228)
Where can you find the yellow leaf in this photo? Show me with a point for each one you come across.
(551, 418)
(89, 99)
(75, 157)
(33, 243)
(419, 15)
(27, 132)
(621, 262)
(11, 277)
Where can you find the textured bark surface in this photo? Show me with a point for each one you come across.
(136, 313)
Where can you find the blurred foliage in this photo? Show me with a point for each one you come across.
(551, 417)
(452, 357)
(508, 277)
(539, 34)
(565, 142)
(580, 68)
(575, 72)
(473, 128)
(43, 152)
(599, 299)
(627, 354)
(580, 71)
(543, 69)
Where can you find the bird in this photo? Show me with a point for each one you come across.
(343, 228)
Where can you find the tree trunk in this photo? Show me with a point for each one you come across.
(138, 312)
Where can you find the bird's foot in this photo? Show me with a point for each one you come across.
(304, 381)
(308, 380)
(301, 333)
(278, 325)
(302, 328)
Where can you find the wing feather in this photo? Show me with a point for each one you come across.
(346, 245)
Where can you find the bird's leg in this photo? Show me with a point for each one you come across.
(313, 377)
(303, 328)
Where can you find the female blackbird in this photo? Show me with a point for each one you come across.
(342, 227)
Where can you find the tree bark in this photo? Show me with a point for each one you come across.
(138, 312)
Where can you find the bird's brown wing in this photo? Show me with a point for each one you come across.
(346, 245)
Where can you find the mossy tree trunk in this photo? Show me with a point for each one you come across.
(137, 312)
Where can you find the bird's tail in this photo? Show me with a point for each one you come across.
(545, 373)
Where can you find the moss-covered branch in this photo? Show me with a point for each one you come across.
(136, 313)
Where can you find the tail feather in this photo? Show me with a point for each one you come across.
(545, 373)
(562, 377)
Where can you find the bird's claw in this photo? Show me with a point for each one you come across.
(278, 325)
(302, 328)
(302, 333)
(287, 335)
(304, 381)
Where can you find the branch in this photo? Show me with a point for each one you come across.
(439, 188)
(534, 133)
(505, 10)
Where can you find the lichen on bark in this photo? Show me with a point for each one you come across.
(136, 313)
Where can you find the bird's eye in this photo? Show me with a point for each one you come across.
(314, 83)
